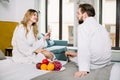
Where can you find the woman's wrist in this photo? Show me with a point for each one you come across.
(36, 53)
(43, 52)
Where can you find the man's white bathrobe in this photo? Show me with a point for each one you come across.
(24, 46)
(94, 45)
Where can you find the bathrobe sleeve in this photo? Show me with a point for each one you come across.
(40, 43)
(83, 50)
(94, 46)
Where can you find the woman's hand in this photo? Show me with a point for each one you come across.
(47, 35)
(48, 54)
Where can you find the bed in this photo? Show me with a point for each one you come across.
(16, 71)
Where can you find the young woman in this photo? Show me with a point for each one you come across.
(26, 46)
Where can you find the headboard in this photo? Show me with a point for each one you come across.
(6, 32)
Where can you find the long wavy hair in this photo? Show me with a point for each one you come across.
(26, 19)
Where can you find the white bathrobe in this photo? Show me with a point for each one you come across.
(24, 47)
(94, 45)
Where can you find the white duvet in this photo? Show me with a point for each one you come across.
(16, 71)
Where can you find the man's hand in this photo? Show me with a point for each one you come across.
(80, 74)
(70, 54)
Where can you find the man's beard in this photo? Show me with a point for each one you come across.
(80, 21)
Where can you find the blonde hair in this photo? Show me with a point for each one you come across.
(25, 20)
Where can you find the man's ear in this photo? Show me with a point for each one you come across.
(85, 15)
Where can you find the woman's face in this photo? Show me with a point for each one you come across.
(34, 17)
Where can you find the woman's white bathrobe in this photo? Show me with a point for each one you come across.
(94, 45)
(24, 47)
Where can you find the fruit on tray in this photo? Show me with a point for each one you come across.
(47, 65)
(43, 67)
(38, 65)
(50, 66)
(57, 65)
(45, 61)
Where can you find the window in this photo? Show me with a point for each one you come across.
(60, 16)
(111, 20)
(60, 19)
(53, 18)
(68, 20)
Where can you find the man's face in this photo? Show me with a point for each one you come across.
(79, 16)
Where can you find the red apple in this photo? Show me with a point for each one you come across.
(38, 65)
(45, 61)
(57, 65)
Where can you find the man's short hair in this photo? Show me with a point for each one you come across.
(88, 9)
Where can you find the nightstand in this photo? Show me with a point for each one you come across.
(8, 51)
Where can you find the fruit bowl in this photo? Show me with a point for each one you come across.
(50, 65)
(63, 68)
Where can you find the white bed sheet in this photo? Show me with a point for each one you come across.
(16, 71)
(115, 72)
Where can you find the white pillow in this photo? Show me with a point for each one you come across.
(115, 72)
(2, 56)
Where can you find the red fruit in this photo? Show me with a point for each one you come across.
(38, 65)
(45, 61)
(57, 65)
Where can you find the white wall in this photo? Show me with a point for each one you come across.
(7, 10)
(14, 10)
(42, 16)
(22, 6)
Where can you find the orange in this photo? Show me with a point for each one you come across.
(50, 67)
(43, 67)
